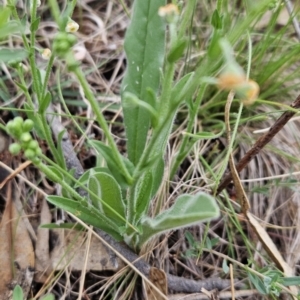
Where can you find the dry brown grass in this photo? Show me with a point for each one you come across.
(101, 34)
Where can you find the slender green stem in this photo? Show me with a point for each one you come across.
(56, 12)
(47, 76)
(102, 122)
(150, 150)
(74, 2)
(25, 90)
(229, 148)
(29, 48)
(36, 79)
(49, 139)
(53, 176)
(183, 147)
(187, 18)
(219, 6)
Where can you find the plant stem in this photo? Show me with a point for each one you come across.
(187, 18)
(52, 176)
(102, 122)
(47, 76)
(56, 12)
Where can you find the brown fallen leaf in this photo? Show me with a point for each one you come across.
(159, 279)
(16, 250)
(263, 236)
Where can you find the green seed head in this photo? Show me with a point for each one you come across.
(25, 137)
(28, 125)
(10, 127)
(30, 154)
(34, 145)
(18, 121)
(15, 127)
(71, 38)
(15, 148)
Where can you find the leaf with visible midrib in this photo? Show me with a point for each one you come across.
(144, 47)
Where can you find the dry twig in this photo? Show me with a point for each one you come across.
(261, 142)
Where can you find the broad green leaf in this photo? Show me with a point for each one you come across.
(157, 174)
(141, 196)
(89, 215)
(144, 46)
(9, 28)
(45, 103)
(145, 189)
(133, 101)
(4, 16)
(214, 50)
(217, 20)
(112, 164)
(17, 293)
(177, 51)
(187, 210)
(48, 297)
(83, 179)
(107, 189)
(288, 281)
(12, 55)
(258, 283)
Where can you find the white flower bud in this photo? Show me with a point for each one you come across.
(72, 26)
(46, 54)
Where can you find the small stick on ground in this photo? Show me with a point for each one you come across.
(261, 142)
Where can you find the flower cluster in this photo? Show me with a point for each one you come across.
(19, 130)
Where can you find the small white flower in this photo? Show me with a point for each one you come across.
(46, 54)
(72, 26)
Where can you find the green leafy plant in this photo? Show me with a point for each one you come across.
(272, 281)
(18, 294)
(119, 195)
(125, 195)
